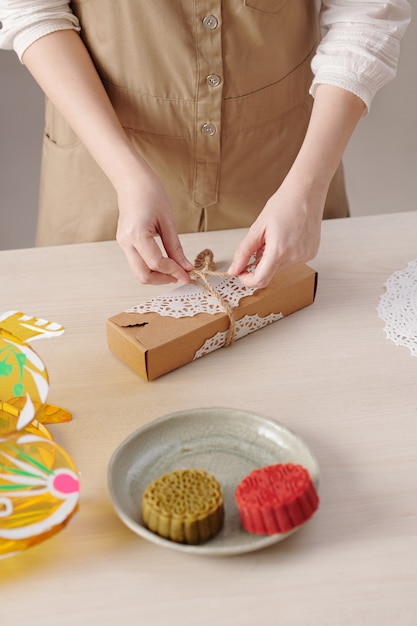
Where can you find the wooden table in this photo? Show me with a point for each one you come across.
(328, 372)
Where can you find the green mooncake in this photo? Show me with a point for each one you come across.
(185, 506)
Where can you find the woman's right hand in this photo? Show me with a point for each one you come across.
(144, 213)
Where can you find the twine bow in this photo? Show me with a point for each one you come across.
(204, 267)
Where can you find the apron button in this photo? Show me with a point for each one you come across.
(208, 129)
(210, 22)
(213, 80)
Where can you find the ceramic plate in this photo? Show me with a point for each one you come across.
(227, 443)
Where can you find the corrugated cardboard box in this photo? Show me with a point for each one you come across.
(153, 344)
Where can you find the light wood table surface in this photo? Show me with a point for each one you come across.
(327, 372)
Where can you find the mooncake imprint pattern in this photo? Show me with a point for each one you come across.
(276, 499)
(185, 506)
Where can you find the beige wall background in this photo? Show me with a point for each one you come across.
(380, 163)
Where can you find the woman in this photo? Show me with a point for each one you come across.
(173, 116)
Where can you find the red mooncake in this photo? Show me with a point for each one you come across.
(276, 499)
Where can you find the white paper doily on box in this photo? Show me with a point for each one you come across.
(191, 299)
(248, 324)
(398, 307)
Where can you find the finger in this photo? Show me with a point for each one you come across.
(252, 244)
(152, 256)
(143, 273)
(174, 249)
(268, 265)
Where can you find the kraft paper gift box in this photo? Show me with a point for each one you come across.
(187, 323)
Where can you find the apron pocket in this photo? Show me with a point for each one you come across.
(264, 6)
(57, 130)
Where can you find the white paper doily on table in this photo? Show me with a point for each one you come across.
(398, 307)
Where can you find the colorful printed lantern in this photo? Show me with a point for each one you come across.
(39, 486)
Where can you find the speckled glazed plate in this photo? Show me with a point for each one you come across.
(227, 443)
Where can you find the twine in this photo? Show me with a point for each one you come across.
(204, 267)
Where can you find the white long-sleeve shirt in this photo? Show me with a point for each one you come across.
(359, 50)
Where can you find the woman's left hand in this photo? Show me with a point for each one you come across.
(287, 232)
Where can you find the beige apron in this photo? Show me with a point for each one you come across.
(213, 94)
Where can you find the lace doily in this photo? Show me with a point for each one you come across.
(248, 324)
(398, 307)
(190, 299)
